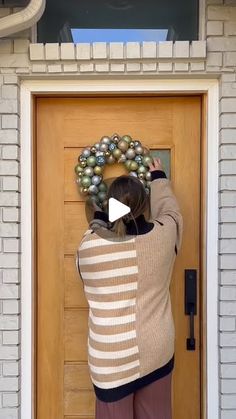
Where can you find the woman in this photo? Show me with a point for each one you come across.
(126, 271)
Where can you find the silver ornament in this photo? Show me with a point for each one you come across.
(111, 159)
(138, 159)
(115, 138)
(105, 140)
(99, 153)
(96, 179)
(103, 147)
(122, 158)
(139, 149)
(82, 158)
(97, 146)
(130, 154)
(148, 176)
(133, 174)
(136, 143)
(88, 171)
(93, 189)
(147, 190)
(86, 152)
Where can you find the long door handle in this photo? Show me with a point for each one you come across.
(191, 304)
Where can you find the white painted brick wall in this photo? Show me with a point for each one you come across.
(18, 58)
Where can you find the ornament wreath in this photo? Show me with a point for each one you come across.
(92, 161)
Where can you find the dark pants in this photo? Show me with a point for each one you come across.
(150, 402)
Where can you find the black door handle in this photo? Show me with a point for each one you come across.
(191, 304)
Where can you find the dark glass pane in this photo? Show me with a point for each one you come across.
(178, 19)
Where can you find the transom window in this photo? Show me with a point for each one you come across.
(118, 20)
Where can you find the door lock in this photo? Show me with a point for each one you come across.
(191, 304)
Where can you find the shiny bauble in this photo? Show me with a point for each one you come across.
(136, 143)
(142, 169)
(93, 149)
(134, 174)
(115, 138)
(83, 163)
(105, 140)
(141, 175)
(128, 164)
(78, 169)
(80, 174)
(85, 181)
(83, 191)
(102, 196)
(78, 180)
(97, 146)
(123, 146)
(133, 166)
(148, 176)
(147, 190)
(139, 149)
(86, 153)
(93, 199)
(148, 182)
(91, 161)
(103, 147)
(96, 179)
(102, 187)
(111, 159)
(99, 153)
(116, 153)
(107, 153)
(130, 154)
(112, 146)
(81, 158)
(88, 171)
(127, 138)
(122, 158)
(105, 204)
(131, 144)
(100, 160)
(138, 159)
(147, 160)
(93, 189)
(145, 151)
(98, 170)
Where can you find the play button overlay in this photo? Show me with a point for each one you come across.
(116, 209)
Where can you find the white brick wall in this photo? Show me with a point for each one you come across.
(216, 55)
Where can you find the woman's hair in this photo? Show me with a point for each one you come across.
(130, 191)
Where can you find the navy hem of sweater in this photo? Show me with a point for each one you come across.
(117, 393)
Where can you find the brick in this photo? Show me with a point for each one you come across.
(11, 307)
(228, 278)
(228, 105)
(9, 352)
(227, 183)
(39, 68)
(165, 67)
(9, 92)
(116, 50)
(228, 77)
(181, 49)
(227, 324)
(6, 46)
(11, 413)
(227, 308)
(11, 183)
(9, 230)
(228, 401)
(21, 45)
(14, 60)
(10, 152)
(99, 50)
(36, 52)
(221, 13)
(228, 215)
(149, 67)
(10, 399)
(102, 68)
(228, 355)
(228, 386)
(227, 262)
(165, 49)
(133, 67)
(52, 51)
(83, 51)
(10, 79)
(228, 120)
(214, 28)
(228, 339)
(55, 68)
(181, 66)
(214, 59)
(229, 59)
(9, 199)
(9, 260)
(8, 106)
(67, 51)
(221, 44)
(8, 136)
(10, 121)
(23, 70)
(133, 50)
(9, 291)
(9, 322)
(230, 28)
(228, 246)
(228, 293)
(70, 68)
(149, 49)
(198, 66)
(9, 383)
(228, 230)
(11, 276)
(228, 152)
(11, 214)
(228, 90)
(10, 368)
(227, 199)
(228, 167)
(117, 68)
(86, 68)
(11, 337)
(198, 49)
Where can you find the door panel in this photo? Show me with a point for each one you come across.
(64, 126)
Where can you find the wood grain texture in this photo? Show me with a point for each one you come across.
(64, 127)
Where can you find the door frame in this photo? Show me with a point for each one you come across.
(137, 85)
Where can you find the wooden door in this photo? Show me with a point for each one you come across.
(63, 127)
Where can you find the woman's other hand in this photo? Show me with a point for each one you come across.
(156, 165)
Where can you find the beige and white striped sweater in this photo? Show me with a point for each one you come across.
(126, 283)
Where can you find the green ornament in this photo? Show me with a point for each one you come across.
(133, 166)
(91, 161)
(147, 160)
(102, 187)
(78, 169)
(98, 170)
(116, 153)
(123, 146)
(102, 196)
(142, 169)
(128, 164)
(127, 138)
(86, 181)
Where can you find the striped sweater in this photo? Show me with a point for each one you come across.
(126, 283)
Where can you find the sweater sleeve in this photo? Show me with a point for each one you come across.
(165, 205)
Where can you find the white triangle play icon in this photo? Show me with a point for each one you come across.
(116, 209)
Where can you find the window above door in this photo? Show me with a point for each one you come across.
(118, 21)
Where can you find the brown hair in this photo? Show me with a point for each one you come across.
(130, 191)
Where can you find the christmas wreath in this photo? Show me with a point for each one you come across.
(109, 150)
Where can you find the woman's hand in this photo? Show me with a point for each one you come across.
(156, 165)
